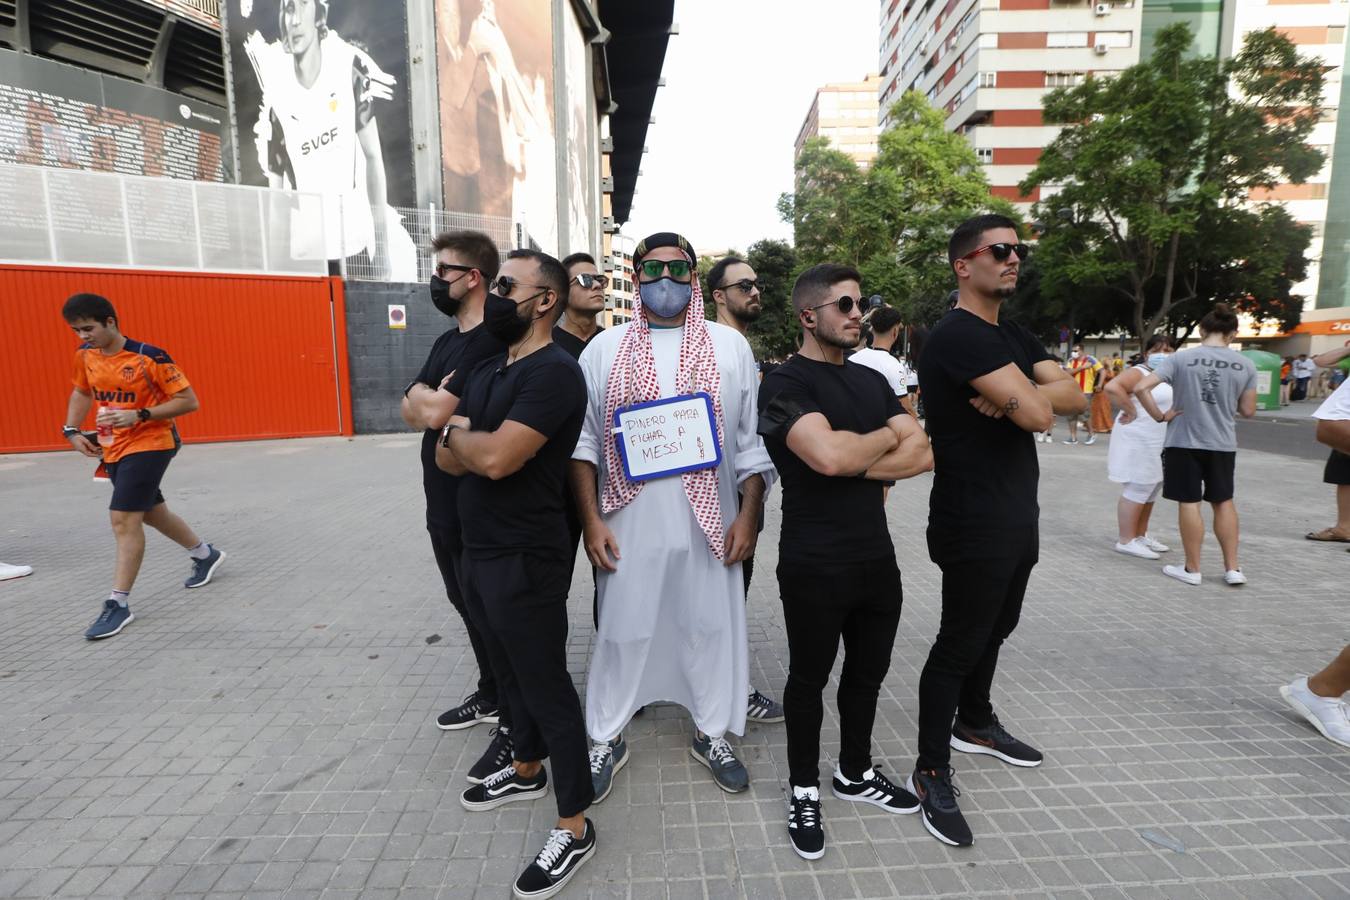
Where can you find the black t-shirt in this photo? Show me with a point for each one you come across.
(523, 512)
(570, 342)
(985, 470)
(453, 350)
(829, 520)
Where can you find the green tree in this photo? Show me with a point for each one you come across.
(774, 333)
(892, 220)
(1155, 169)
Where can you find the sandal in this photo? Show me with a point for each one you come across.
(1329, 535)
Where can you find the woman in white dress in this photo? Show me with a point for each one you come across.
(1134, 458)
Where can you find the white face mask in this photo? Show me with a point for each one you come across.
(1074, 354)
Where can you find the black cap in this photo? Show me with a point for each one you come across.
(663, 239)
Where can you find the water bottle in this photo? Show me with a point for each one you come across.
(105, 429)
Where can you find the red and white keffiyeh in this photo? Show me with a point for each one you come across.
(633, 379)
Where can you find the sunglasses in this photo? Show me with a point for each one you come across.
(746, 285)
(586, 281)
(844, 304)
(442, 268)
(505, 284)
(1001, 251)
(679, 269)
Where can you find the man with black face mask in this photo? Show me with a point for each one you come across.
(511, 439)
(660, 517)
(466, 261)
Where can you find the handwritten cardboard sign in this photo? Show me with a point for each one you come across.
(667, 437)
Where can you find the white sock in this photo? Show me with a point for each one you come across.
(120, 597)
(201, 551)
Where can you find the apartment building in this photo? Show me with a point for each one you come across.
(846, 114)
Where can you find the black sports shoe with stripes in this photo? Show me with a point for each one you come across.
(555, 865)
(876, 789)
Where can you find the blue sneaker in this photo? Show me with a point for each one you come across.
(203, 569)
(607, 758)
(113, 619)
(716, 754)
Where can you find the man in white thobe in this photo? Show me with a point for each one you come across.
(668, 551)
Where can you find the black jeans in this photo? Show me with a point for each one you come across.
(519, 602)
(446, 545)
(981, 602)
(861, 604)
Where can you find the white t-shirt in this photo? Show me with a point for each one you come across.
(1304, 368)
(880, 361)
(1336, 407)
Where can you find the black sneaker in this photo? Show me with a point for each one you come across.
(473, 710)
(203, 569)
(805, 829)
(495, 757)
(506, 786)
(877, 790)
(941, 816)
(996, 742)
(555, 865)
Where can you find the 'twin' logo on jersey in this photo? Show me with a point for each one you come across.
(115, 396)
(322, 140)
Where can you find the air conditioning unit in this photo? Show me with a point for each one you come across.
(1103, 9)
(1101, 49)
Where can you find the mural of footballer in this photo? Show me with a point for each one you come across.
(316, 132)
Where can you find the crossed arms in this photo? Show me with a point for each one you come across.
(1030, 405)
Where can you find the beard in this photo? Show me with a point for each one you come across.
(746, 314)
(1004, 291)
(838, 339)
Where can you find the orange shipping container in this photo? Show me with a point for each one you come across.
(267, 355)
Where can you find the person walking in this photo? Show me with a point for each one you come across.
(1134, 456)
(1337, 469)
(988, 386)
(1211, 384)
(1318, 697)
(736, 294)
(140, 391)
(1086, 370)
(669, 547)
(836, 433)
(510, 440)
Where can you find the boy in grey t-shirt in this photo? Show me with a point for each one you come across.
(1210, 386)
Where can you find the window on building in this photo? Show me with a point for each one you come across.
(985, 155)
(989, 41)
(1115, 38)
(1067, 39)
(988, 79)
(1336, 34)
(1063, 79)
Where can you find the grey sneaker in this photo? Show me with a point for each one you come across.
(112, 620)
(716, 754)
(607, 758)
(203, 569)
(763, 709)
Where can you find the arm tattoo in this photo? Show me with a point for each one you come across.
(1011, 406)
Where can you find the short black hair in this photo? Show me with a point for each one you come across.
(475, 247)
(884, 318)
(719, 269)
(1220, 320)
(572, 259)
(88, 306)
(551, 273)
(967, 235)
(1160, 340)
(817, 280)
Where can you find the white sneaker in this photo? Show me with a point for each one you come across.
(1154, 545)
(1180, 574)
(1234, 578)
(1327, 714)
(1137, 548)
(7, 571)
(1092, 439)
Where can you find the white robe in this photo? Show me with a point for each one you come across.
(672, 618)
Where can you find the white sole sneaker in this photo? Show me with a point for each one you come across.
(1180, 574)
(1234, 578)
(210, 573)
(1133, 549)
(967, 747)
(1306, 712)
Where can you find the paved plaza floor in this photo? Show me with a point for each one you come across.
(272, 734)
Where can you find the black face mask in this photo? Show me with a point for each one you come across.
(440, 296)
(501, 321)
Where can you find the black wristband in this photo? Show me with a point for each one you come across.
(69, 431)
(411, 385)
(143, 414)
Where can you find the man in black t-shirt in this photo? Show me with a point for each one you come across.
(836, 434)
(511, 440)
(988, 386)
(466, 261)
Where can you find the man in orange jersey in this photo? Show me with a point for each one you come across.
(140, 391)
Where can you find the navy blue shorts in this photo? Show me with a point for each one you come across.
(136, 479)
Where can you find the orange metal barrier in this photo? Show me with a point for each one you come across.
(266, 355)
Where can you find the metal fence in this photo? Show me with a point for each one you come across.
(421, 225)
(74, 217)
